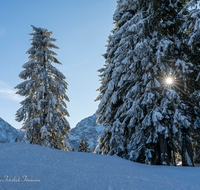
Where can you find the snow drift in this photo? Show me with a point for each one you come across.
(25, 166)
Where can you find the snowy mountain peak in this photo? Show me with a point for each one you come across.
(8, 133)
(86, 129)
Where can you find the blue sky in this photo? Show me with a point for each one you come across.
(81, 29)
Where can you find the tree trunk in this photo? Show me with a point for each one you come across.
(187, 151)
(164, 157)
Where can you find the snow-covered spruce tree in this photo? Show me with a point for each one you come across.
(113, 82)
(191, 28)
(168, 23)
(97, 150)
(86, 147)
(83, 146)
(44, 109)
(143, 118)
(118, 79)
(184, 71)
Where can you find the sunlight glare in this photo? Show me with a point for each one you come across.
(169, 80)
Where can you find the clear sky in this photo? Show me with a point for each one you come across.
(81, 29)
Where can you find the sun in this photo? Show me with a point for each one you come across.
(169, 80)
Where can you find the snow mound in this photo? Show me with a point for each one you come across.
(86, 129)
(8, 133)
(25, 166)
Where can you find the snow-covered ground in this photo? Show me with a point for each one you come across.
(60, 170)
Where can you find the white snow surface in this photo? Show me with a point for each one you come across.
(56, 169)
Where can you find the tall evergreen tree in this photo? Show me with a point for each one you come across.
(44, 109)
(168, 22)
(145, 120)
(191, 28)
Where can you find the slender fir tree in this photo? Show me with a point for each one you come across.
(83, 146)
(86, 147)
(44, 109)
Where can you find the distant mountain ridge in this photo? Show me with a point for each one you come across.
(86, 129)
(8, 133)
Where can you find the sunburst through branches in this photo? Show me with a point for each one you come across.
(173, 81)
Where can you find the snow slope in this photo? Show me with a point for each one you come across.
(86, 129)
(56, 169)
(9, 133)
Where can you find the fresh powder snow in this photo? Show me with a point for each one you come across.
(24, 166)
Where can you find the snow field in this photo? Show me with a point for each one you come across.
(56, 169)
